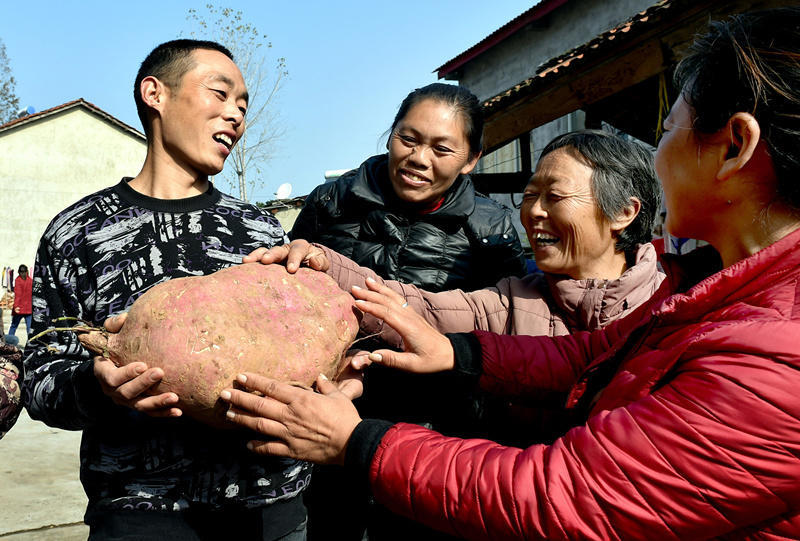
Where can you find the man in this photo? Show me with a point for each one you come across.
(148, 472)
(22, 301)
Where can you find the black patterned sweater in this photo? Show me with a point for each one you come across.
(95, 258)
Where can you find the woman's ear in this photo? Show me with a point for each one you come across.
(470, 165)
(742, 133)
(627, 215)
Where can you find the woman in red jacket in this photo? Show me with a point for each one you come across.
(689, 419)
(23, 289)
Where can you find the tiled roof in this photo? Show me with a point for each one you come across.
(514, 25)
(80, 102)
(584, 54)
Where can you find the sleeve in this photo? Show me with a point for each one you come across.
(447, 311)
(501, 254)
(306, 225)
(680, 463)
(59, 386)
(520, 365)
(514, 263)
(276, 234)
(17, 296)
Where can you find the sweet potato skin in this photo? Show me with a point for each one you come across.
(203, 331)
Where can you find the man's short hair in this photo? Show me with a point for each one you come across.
(169, 62)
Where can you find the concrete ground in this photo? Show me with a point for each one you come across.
(41, 498)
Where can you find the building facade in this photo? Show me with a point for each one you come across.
(49, 160)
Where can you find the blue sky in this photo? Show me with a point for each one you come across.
(350, 63)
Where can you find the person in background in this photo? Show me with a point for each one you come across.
(22, 309)
(690, 423)
(148, 472)
(588, 212)
(413, 214)
(11, 371)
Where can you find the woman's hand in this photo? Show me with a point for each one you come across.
(296, 253)
(351, 380)
(302, 424)
(130, 385)
(426, 350)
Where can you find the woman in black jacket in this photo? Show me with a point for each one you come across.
(413, 214)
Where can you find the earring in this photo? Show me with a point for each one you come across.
(728, 202)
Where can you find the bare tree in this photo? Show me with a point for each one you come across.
(264, 78)
(9, 103)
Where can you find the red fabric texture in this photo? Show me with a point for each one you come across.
(695, 436)
(22, 295)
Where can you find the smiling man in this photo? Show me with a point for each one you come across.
(149, 473)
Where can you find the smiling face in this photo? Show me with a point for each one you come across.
(203, 117)
(428, 149)
(566, 228)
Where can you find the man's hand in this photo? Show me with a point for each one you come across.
(293, 255)
(300, 423)
(132, 385)
(426, 350)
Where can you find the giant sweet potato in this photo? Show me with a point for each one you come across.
(203, 331)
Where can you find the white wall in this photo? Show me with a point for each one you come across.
(50, 163)
(287, 217)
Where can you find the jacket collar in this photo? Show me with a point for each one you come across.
(702, 284)
(371, 185)
(592, 303)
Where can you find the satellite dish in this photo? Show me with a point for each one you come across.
(284, 191)
(26, 111)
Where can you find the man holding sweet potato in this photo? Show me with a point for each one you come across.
(149, 472)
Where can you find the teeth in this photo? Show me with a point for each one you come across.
(417, 178)
(224, 139)
(544, 238)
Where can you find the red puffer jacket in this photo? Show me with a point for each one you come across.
(693, 430)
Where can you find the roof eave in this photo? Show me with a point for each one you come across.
(535, 13)
(80, 102)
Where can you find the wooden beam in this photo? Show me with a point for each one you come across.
(571, 93)
(526, 165)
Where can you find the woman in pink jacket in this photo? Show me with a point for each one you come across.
(691, 423)
(588, 212)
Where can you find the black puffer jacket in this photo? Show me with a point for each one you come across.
(468, 243)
